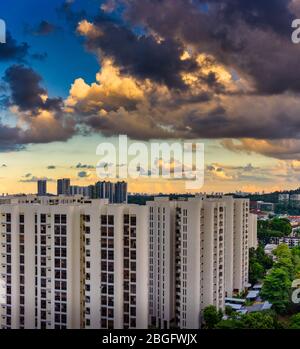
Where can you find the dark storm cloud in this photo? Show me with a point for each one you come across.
(219, 124)
(26, 90)
(16, 138)
(10, 139)
(142, 56)
(12, 50)
(274, 15)
(251, 36)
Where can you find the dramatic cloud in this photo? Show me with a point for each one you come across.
(26, 91)
(109, 92)
(193, 69)
(10, 138)
(40, 119)
(13, 51)
(285, 149)
(275, 15)
(142, 56)
(219, 69)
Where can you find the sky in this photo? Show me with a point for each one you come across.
(76, 73)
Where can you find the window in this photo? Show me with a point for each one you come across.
(126, 219)
(103, 231)
(110, 313)
(63, 230)
(133, 220)
(110, 255)
(110, 220)
(111, 278)
(133, 311)
(104, 220)
(63, 219)
(110, 231)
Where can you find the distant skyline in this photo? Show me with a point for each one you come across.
(75, 73)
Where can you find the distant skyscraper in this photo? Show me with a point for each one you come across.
(120, 195)
(105, 190)
(42, 187)
(63, 186)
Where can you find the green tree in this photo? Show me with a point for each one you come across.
(256, 271)
(281, 224)
(283, 251)
(295, 322)
(230, 324)
(228, 310)
(287, 264)
(258, 320)
(259, 263)
(212, 316)
(276, 227)
(276, 289)
(255, 320)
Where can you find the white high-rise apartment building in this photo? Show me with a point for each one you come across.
(162, 219)
(199, 250)
(199, 259)
(237, 244)
(40, 266)
(253, 243)
(115, 266)
(73, 263)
